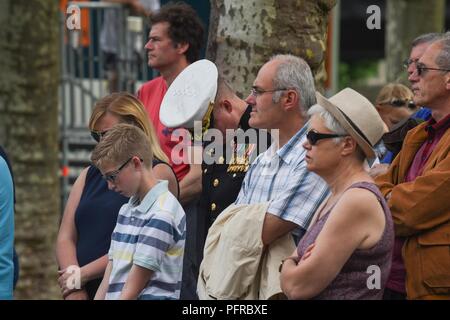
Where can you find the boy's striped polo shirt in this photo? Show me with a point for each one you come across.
(150, 234)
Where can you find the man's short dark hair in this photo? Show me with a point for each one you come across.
(185, 26)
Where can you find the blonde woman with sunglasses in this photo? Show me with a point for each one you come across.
(92, 208)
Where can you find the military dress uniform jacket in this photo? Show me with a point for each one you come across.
(421, 213)
(221, 182)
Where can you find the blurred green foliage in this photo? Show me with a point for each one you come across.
(356, 73)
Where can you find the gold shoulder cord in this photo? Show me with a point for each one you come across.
(206, 123)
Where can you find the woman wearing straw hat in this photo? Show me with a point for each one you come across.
(347, 250)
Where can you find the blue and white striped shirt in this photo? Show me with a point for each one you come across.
(151, 235)
(280, 177)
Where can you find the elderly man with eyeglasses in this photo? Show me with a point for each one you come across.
(282, 93)
(418, 46)
(417, 184)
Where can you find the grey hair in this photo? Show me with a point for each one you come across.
(334, 126)
(294, 73)
(329, 121)
(426, 38)
(443, 57)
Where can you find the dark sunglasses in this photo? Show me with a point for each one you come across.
(314, 136)
(97, 135)
(400, 103)
(403, 103)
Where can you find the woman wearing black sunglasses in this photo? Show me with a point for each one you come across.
(352, 236)
(91, 210)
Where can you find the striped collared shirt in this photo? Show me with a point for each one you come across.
(280, 176)
(150, 234)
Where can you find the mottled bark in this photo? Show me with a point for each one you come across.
(407, 19)
(29, 77)
(245, 34)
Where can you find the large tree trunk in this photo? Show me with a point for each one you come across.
(243, 35)
(406, 20)
(29, 77)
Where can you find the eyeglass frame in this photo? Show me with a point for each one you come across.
(97, 135)
(256, 92)
(420, 67)
(320, 136)
(112, 176)
(408, 62)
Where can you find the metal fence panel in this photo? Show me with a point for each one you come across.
(84, 77)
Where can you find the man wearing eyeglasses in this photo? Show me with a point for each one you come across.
(282, 93)
(418, 47)
(417, 184)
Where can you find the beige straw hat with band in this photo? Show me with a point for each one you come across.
(357, 116)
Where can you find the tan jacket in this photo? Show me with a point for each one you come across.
(235, 264)
(421, 212)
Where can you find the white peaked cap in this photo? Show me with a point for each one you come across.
(189, 95)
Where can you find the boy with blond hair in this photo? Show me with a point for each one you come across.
(147, 245)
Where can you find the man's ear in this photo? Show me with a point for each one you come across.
(223, 105)
(182, 48)
(291, 98)
(228, 107)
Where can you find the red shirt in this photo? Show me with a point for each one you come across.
(151, 94)
(435, 132)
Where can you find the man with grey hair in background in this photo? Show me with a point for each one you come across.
(418, 47)
(417, 184)
(395, 287)
(282, 93)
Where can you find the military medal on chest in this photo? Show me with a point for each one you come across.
(240, 159)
